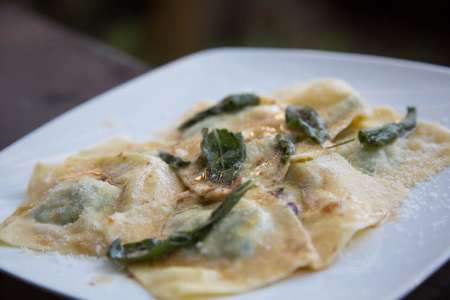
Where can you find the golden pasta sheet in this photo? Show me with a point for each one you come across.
(337, 201)
(259, 242)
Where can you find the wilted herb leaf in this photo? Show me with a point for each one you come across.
(388, 133)
(229, 104)
(307, 121)
(224, 153)
(286, 145)
(151, 249)
(173, 161)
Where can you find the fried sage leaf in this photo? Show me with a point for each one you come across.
(152, 249)
(307, 121)
(224, 153)
(229, 104)
(286, 145)
(173, 161)
(388, 133)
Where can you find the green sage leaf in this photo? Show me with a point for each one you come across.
(229, 104)
(285, 143)
(224, 153)
(307, 121)
(388, 133)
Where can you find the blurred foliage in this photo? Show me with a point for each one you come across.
(157, 31)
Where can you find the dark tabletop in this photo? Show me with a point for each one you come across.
(44, 71)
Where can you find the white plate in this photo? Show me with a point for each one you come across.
(384, 263)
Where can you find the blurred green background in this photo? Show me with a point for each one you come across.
(157, 31)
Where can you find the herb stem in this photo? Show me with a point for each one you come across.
(341, 143)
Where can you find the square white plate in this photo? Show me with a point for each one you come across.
(384, 263)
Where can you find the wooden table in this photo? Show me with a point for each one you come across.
(45, 70)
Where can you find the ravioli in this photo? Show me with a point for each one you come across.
(80, 206)
(309, 196)
(149, 198)
(338, 201)
(67, 219)
(258, 124)
(261, 241)
(409, 160)
(263, 164)
(335, 101)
